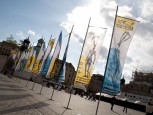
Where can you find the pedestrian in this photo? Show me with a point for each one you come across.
(113, 102)
(125, 105)
(149, 110)
(94, 96)
(90, 96)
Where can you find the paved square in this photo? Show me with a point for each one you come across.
(16, 99)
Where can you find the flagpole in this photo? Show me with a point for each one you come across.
(64, 53)
(106, 63)
(65, 60)
(83, 45)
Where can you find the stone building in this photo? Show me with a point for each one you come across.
(95, 83)
(140, 88)
(6, 47)
(70, 72)
(5, 51)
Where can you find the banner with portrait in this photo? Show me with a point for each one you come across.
(90, 53)
(124, 29)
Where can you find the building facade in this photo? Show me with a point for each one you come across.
(140, 88)
(69, 74)
(95, 83)
(6, 47)
(5, 51)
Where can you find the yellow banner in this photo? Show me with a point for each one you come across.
(125, 24)
(84, 71)
(90, 54)
(51, 66)
(13, 52)
(36, 66)
(29, 63)
(51, 42)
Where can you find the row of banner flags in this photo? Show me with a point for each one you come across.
(44, 64)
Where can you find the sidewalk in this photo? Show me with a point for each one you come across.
(17, 99)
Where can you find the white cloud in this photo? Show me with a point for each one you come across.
(102, 14)
(147, 9)
(20, 34)
(31, 33)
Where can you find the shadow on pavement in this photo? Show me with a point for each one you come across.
(65, 110)
(26, 107)
(13, 97)
(116, 112)
(5, 80)
(9, 89)
(12, 86)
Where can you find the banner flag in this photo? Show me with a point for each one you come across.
(55, 55)
(30, 61)
(90, 53)
(17, 58)
(14, 54)
(61, 74)
(124, 29)
(24, 60)
(47, 58)
(20, 60)
(39, 59)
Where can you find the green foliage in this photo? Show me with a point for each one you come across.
(11, 39)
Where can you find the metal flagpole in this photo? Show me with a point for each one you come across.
(41, 89)
(52, 95)
(67, 46)
(67, 43)
(79, 60)
(106, 64)
(33, 85)
(28, 80)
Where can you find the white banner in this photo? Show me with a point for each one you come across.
(90, 54)
(122, 36)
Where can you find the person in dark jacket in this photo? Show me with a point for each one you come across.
(125, 105)
(113, 102)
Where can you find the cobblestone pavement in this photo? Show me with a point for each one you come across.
(14, 102)
(17, 99)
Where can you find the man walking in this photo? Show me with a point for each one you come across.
(113, 102)
(125, 105)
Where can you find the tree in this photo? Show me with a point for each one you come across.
(11, 39)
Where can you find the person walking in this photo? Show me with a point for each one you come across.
(113, 102)
(125, 105)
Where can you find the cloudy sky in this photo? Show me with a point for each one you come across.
(41, 18)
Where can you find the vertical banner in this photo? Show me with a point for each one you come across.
(14, 54)
(47, 58)
(61, 74)
(90, 53)
(55, 55)
(17, 58)
(24, 60)
(39, 59)
(30, 61)
(23, 54)
(124, 29)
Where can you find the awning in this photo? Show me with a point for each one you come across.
(80, 86)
